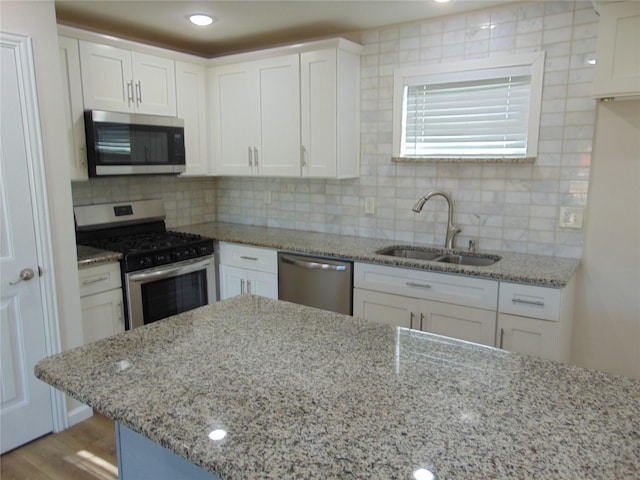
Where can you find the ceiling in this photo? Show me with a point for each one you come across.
(247, 25)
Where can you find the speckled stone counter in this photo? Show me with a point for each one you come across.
(514, 267)
(89, 256)
(305, 393)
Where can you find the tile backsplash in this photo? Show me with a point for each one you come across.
(503, 207)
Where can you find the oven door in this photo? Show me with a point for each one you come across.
(167, 290)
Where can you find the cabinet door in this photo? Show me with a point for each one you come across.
(234, 107)
(154, 84)
(530, 336)
(102, 315)
(385, 308)
(233, 281)
(318, 71)
(191, 107)
(278, 152)
(73, 106)
(262, 283)
(464, 323)
(618, 68)
(106, 77)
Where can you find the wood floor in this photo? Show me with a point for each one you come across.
(86, 451)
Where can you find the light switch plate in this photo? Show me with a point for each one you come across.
(571, 217)
(370, 205)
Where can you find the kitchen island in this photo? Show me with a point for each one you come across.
(252, 388)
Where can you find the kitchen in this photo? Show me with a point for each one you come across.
(532, 194)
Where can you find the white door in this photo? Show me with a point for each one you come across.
(318, 73)
(154, 84)
(385, 308)
(264, 284)
(233, 281)
(278, 152)
(25, 402)
(107, 78)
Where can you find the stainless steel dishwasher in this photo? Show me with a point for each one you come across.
(317, 282)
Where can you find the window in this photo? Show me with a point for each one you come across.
(483, 110)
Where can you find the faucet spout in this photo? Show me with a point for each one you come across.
(452, 230)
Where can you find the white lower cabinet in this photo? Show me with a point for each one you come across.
(465, 323)
(246, 269)
(451, 305)
(101, 301)
(536, 320)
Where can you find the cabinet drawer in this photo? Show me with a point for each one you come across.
(253, 258)
(530, 301)
(442, 287)
(99, 278)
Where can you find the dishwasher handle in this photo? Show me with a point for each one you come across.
(313, 265)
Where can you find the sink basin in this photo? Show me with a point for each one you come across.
(468, 260)
(419, 253)
(410, 252)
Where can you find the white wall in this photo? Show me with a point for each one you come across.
(607, 323)
(504, 207)
(37, 20)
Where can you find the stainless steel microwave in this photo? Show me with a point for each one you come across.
(133, 144)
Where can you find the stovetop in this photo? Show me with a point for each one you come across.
(137, 230)
(151, 249)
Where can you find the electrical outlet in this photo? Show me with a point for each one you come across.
(369, 205)
(571, 217)
(267, 197)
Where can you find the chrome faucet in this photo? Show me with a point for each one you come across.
(452, 230)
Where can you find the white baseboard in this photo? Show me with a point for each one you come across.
(79, 414)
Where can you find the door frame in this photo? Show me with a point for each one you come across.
(25, 62)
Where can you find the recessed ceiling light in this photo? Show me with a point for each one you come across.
(201, 20)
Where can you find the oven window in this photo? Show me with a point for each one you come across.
(174, 295)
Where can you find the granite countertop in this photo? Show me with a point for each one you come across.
(306, 393)
(514, 267)
(89, 256)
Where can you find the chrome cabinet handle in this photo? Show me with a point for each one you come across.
(250, 157)
(255, 259)
(130, 92)
(242, 286)
(420, 285)
(421, 321)
(26, 274)
(255, 155)
(248, 286)
(95, 280)
(138, 93)
(537, 303)
(411, 316)
(303, 156)
(501, 337)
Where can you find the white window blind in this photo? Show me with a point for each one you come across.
(486, 113)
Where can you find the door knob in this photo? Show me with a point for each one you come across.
(25, 274)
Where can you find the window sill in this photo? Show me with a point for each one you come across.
(462, 160)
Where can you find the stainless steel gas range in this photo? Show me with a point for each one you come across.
(164, 272)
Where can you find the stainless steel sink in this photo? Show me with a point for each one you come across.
(476, 261)
(419, 253)
(410, 252)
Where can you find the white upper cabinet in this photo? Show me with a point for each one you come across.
(329, 104)
(121, 80)
(192, 108)
(255, 115)
(618, 53)
(73, 107)
(293, 113)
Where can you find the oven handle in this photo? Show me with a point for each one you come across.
(174, 271)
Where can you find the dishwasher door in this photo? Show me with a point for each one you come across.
(316, 282)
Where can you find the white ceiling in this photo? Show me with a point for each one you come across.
(245, 25)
